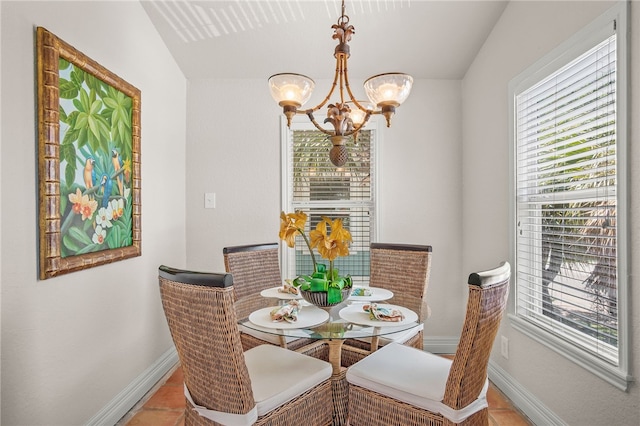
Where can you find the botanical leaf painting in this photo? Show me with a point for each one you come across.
(95, 163)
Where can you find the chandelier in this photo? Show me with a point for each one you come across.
(385, 92)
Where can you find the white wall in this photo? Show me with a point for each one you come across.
(234, 150)
(70, 344)
(420, 196)
(525, 32)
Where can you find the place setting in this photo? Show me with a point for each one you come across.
(378, 315)
(292, 315)
(285, 292)
(370, 294)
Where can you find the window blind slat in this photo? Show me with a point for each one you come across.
(561, 108)
(603, 54)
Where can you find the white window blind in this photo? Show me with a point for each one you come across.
(566, 203)
(319, 188)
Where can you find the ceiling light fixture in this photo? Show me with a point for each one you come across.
(385, 91)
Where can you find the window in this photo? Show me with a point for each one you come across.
(313, 185)
(570, 210)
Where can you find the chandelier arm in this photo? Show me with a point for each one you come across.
(352, 97)
(315, 123)
(333, 87)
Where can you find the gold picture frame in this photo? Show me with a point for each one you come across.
(88, 161)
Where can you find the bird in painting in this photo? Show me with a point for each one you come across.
(89, 173)
(107, 185)
(116, 160)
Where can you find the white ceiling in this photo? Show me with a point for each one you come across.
(258, 38)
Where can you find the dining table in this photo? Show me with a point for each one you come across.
(331, 326)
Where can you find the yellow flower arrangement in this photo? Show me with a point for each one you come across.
(292, 224)
(331, 240)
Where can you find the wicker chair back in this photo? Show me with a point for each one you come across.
(402, 268)
(254, 267)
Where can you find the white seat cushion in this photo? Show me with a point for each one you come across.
(279, 375)
(267, 337)
(412, 376)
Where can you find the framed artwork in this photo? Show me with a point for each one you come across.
(88, 161)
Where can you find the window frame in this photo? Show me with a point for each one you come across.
(299, 122)
(585, 39)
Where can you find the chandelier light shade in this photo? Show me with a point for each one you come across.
(347, 115)
(388, 91)
(291, 91)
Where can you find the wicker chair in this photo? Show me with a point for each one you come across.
(404, 269)
(255, 267)
(401, 385)
(224, 385)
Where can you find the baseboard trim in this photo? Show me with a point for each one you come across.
(441, 345)
(526, 402)
(129, 396)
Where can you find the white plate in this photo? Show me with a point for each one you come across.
(377, 295)
(355, 314)
(275, 294)
(308, 316)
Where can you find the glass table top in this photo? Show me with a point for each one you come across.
(343, 321)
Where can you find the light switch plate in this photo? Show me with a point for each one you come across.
(210, 200)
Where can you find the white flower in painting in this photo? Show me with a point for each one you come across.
(99, 235)
(105, 216)
(117, 208)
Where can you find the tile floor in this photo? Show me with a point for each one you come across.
(164, 406)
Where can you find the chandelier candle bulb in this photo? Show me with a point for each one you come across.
(347, 115)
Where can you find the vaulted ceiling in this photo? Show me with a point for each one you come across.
(258, 38)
